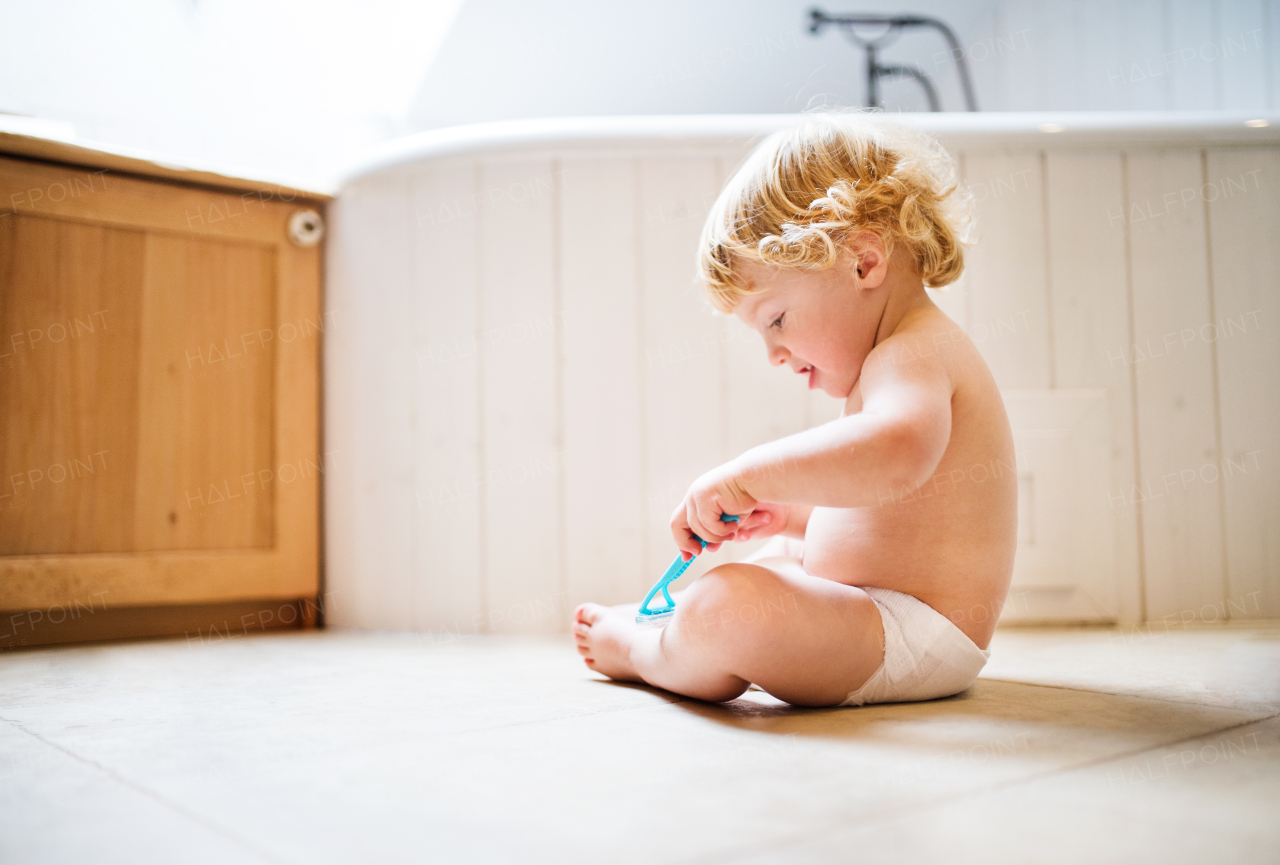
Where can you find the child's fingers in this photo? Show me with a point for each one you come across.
(712, 527)
(683, 533)
(689, 545)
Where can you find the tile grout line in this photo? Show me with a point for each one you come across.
(943, 801)
(155, 797)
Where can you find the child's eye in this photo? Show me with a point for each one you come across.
(777, 322)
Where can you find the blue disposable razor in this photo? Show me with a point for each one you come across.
(646, 616)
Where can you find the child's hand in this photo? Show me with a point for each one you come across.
(767, 520)
(715, 493)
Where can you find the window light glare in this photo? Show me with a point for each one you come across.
(1257, 124)
(1052, 127)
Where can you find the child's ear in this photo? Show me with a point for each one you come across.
(871, 263)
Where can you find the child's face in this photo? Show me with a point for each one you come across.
(822, 324)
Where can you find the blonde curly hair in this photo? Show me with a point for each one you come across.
(807, 189)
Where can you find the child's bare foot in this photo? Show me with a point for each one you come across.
(604, 636)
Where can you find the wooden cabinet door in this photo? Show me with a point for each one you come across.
(159, 351)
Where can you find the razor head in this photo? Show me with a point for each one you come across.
(655, 618)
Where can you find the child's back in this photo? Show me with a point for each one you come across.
(949, 542)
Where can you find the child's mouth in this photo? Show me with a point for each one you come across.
(813, 375)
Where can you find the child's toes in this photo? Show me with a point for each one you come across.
(588, 613)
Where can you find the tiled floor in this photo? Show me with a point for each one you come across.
(1075, 746)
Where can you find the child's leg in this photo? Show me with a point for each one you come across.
(803, 639)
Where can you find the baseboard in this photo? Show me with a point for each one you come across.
(197, 622)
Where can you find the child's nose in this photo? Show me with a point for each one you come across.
(778, 355)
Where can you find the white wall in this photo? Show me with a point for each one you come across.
(1176, 55)
(506, 59)
(278, 87)
(301, 89)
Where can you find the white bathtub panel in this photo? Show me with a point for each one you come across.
(448, 588)
(695, 391)
(1088, 276)
(682, 359)
(374, 515)
(1177, 427)
(765, 402)
(1246, 317)
(604, 481)
(1065, 565)
(820, 408)
(342, 385)
(1008, 297)
(521, 457)
(952, 300)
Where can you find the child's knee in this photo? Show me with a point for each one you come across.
(727, 595)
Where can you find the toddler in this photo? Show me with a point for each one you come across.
(894, 527)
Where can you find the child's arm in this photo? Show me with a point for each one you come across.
(893, 444)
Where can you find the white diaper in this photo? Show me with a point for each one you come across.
(925, 655)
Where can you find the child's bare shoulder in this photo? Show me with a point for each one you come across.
(927, 345)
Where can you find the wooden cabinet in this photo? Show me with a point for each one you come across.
(159, 357)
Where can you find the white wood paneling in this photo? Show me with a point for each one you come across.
(1008, 295)
(373, 589)
(952, 301)
(820, 408)
(764, 402)
(448, 588)
(1177, 427)
(342, 544)
(519, 391)
(682, 361)
(1243, 194)
(1062, 439)
(521, 452)
(604, 486)
(1088, 274)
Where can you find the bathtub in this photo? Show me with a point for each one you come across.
(516, 336)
